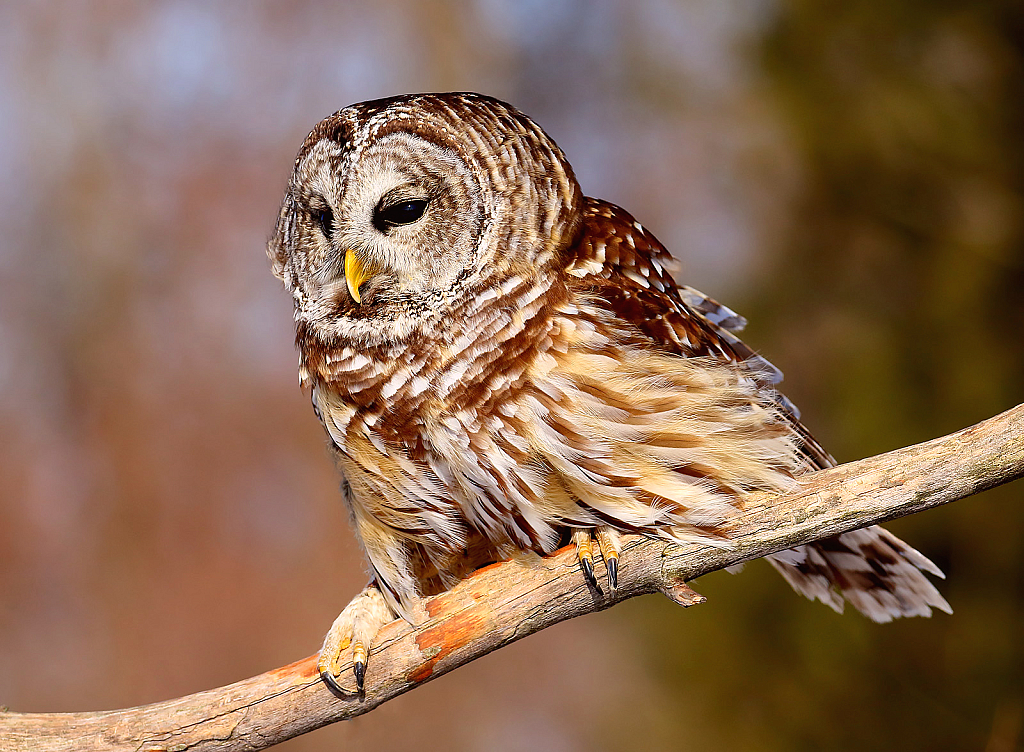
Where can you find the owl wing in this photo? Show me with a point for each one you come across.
(630, 270)
(625, 267)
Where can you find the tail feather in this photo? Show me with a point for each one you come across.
(879, 574)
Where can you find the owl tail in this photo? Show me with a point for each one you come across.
(874, 570)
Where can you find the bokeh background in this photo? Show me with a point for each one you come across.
(849, 176)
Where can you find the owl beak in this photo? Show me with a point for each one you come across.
(356, 272)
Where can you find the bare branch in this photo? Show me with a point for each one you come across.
(507, 601)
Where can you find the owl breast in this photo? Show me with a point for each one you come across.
(430, 432)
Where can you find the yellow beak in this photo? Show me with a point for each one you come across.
(356, 272)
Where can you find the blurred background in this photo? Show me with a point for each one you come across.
(850, 177)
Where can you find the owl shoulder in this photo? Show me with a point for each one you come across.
(622, 268)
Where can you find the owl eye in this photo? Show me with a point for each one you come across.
(402, 213)
(326, 219)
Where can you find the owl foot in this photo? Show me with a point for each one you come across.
(611, 547)
(356, 626)
(608, 543)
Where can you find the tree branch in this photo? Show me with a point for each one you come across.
(504, 602)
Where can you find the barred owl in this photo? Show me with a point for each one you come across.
(503, 364)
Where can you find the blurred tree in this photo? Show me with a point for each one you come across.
(897, 293)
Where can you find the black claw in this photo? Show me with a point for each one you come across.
(359, 668)
(332, 684)
(613, 572)
(588, 573)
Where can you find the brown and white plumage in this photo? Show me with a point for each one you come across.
(499, 360)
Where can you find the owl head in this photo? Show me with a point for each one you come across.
(399, 208)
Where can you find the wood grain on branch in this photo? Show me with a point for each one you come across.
(507, 601)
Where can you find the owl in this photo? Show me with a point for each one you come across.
(503, 364)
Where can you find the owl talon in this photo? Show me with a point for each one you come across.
(356, 626)
(588, 573)
(613, 572)
(608, 540)
(585, 554)
(328, 678)
(359, 669)
(608, 547)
